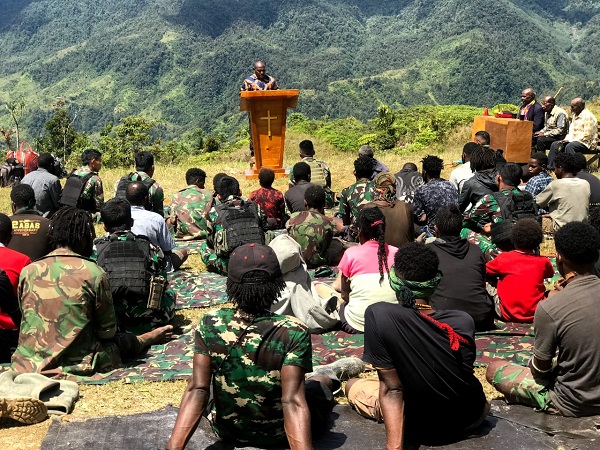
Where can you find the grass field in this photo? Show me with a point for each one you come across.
(121, 398)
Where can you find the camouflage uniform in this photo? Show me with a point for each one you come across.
(188, 209)
(132, 314)
(320, 174)
(93, 188)
(489, 250)
(351, 198)
(485, 211)
(214, 262)
(314, 232)
(67, 313)
(247, 374)
(155, 192)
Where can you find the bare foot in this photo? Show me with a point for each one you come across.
(158, 336)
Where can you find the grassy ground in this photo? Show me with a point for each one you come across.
(121, 398)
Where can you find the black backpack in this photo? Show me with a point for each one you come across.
(124, 182)
(71, 194)
(241, 225)
(517, 206)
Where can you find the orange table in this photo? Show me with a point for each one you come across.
(511, 135)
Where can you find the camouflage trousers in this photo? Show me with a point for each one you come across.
(139, 319)
(213, 262)
(517, 384)
(484, 243)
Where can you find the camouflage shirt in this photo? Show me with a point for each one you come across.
(67, 312)
(352, 197)
(93, 188)
(247, 375)
(188, 209)
(314, 232)
(155, 192)
(487, 210)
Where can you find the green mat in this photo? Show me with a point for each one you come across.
(198, 290)
(192, 246)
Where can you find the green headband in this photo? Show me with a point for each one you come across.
(407, 291)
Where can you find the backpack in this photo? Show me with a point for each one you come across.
(517, 206)
(124, 182)
(240, 226)
(71, 194)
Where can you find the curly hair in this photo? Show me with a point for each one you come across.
(255, 298)
(195, 175)
(71, 227)
(527, 234)
(315, 197)
(433, 165)
(266, 177)
(363, 167)
(371, 227)
(567, 162)
(416, 262)
(578, 243)
(482, 158)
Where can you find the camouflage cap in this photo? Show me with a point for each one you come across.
(249, 257)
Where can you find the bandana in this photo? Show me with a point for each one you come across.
(385, 187)
(406, 290)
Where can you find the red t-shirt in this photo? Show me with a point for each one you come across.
(520, 283)
(12, 262)
(271, 203)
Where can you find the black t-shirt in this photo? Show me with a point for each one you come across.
(440, 390)
(30, 234)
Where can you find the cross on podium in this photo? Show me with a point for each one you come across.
(268, 118)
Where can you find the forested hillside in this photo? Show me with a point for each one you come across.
(182, 61)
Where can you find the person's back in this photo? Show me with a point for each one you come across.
(407, 181)
(294, 196)
(45, 184)
(86, 191)
(144, 171)
(593, 180)
(11, 261)
(521, 273)
(30, 229)
(189, 207)
(462, 264)
(269, 199)
(483, 182)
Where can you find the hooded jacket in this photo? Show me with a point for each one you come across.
(463, 282)
(482, 183)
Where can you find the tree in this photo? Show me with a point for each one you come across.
(15, 109)
(60, 132)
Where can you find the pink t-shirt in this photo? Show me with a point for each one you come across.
(359, 264)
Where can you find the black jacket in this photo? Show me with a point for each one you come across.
(463, 282)
(480, 184)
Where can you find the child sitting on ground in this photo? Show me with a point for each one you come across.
(520, 274)
(270, 200)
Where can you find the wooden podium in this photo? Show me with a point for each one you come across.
(268, 110)
(511, 135)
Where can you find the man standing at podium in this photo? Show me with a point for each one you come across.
(258, 81)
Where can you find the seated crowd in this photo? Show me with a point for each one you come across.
(423, 264)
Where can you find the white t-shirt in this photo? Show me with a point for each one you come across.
(359, 264)
(567, 199)
(461, 174)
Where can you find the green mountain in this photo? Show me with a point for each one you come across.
(182, 61)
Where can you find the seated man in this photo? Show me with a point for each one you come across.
(270, 200)
(231, 223)
(136, 271)
(144, 170)
(407, 182)
(556, 124)
(320, 173)
(424, 359)
(482, 138)
(30, 229)
(566, 328)
(538, 170)
(594, 181)
(582, 136)
(568, 197)
(189, 206)
(83, 188)
(483, 181)
(45, 184)
(11, 261)
(253, 363)
(434, 194)
(462, 286)
(355, 195)
(152, 225)
(366, 151)
(69, 324)
(314, 231)
(463, 172)
(294, 196)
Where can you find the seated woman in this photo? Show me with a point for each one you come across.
(363, 276)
